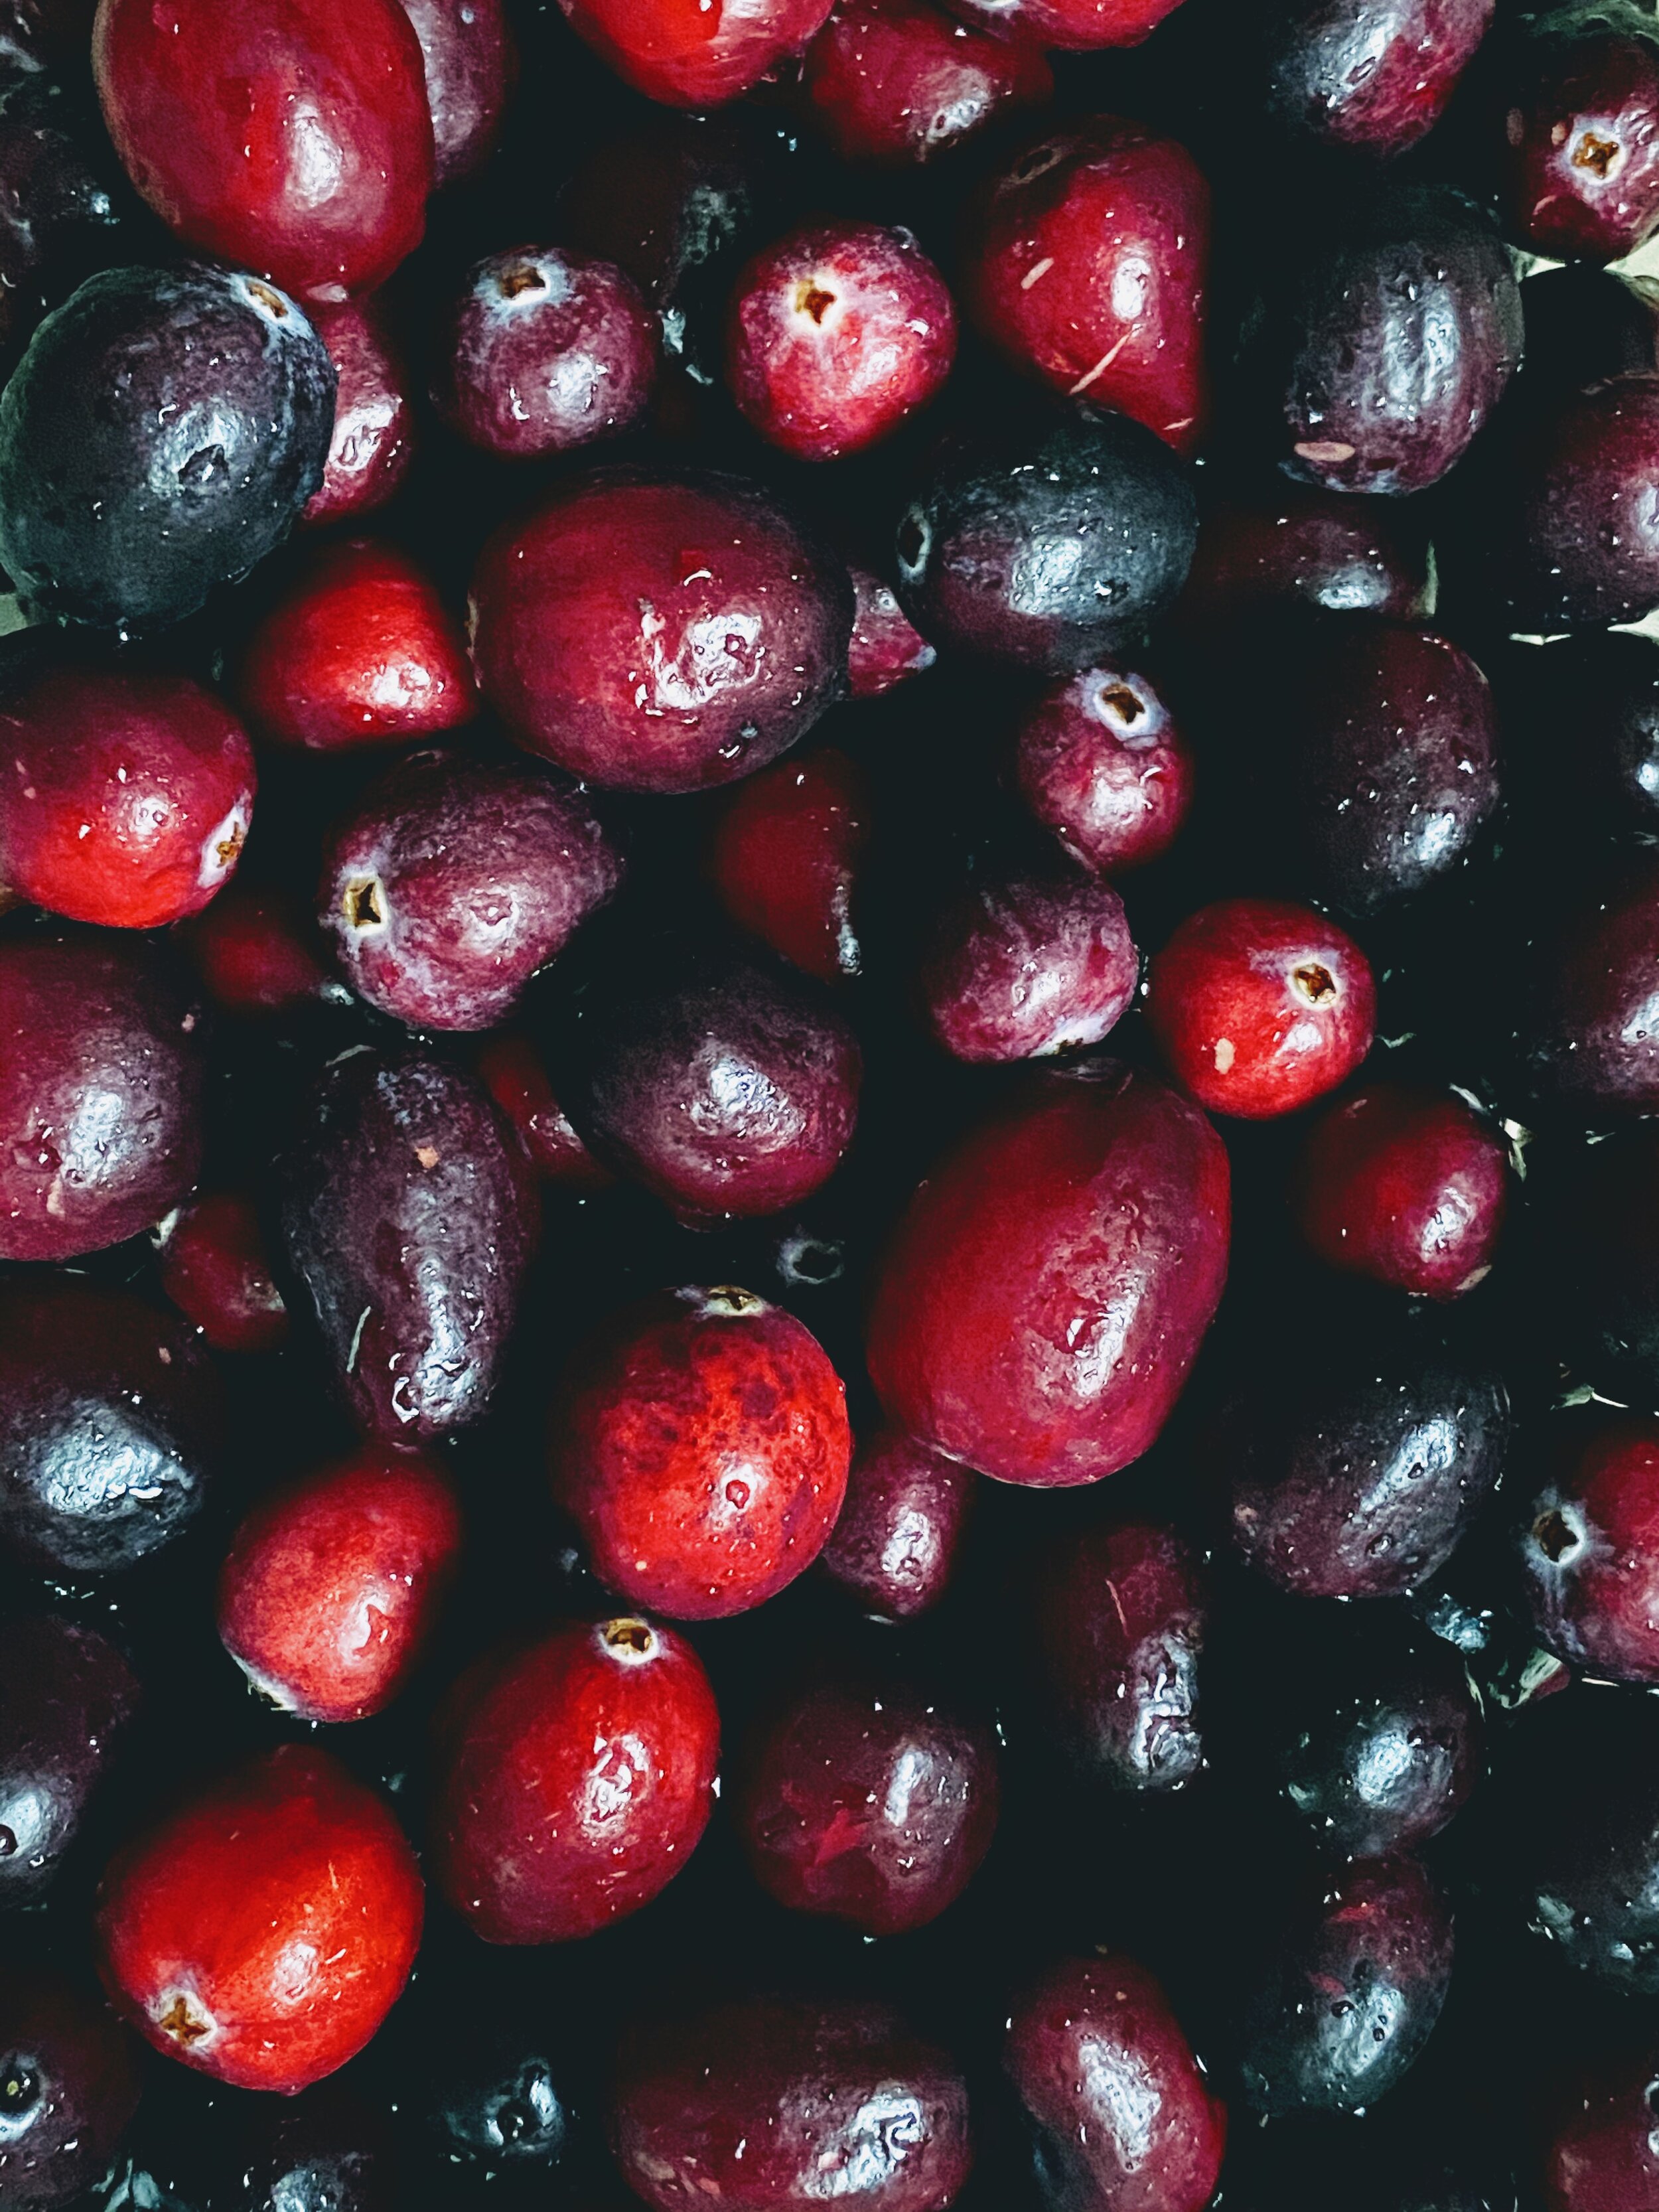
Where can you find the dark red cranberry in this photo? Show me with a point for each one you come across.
(1087, 263)
(897, 82)
(374, 437)
(111, 1424)
(1075, 25)
(1016, 967)
(69, 2087)
(255, 952)
(577, 1780)
(100, 1093)
(361, 650)
(512, 1072)
(1602, 2147)
(1588, 1026)
(408, 1218)
(1406, 1185)
(775, 2105)
(1046, 1289)
(1079, 2036)
(1590, 728)
(1580, 103)
(1572, 528)
(1351, 1985)
(128, 796)
(659, 635)
(262, 1932)
(216, 1268)
(471, 64)
(1294, 547)
(894, 1545)
(886, 646)
(543, 350)
(1591, 1554)
(1370, 78)
(699, 1441)
(682, 55)
(785, 858)
(70, 1700)
(1099, 760)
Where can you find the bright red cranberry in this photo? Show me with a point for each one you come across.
(700, 1442)
(1591, 1554)
(1074, 25)
(70, 1702)
(512, 1072)
(101, 1092)
(333, 1583)
(576, 1780)
(297, 142)
(1586, 1016)
(1374, 79)
(897, 82)
(262, 1932)
(660, 636)
(1406, 1185)
(838, 333)
(216, 1268)
(1581, 133)
(1099, 760)
(1295, 546)
(772, 2104)
(886, 646)
(255, 953)
(1602, 2152)
(1125, 2119)
(1018, 967)
(470, 64)
(69, 2086)
(543, 350)
(687, 55)
(1260, 1006)
(1573, 530)
(1087, 265)
(361, 650)
(900, 1532)
(372, 442)
(785, 858)
(1047, 1287)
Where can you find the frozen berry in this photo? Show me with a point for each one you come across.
(1569, 529)
(897, 82)
(1602, 2151)
(1291, 546)
(895, 1543)
(1018, 967)
(216, 1268)
(1585, 1015)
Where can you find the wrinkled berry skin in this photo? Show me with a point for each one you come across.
(1573, 530)
(1587, 1029)
(1292, 547)
(1591, 1554)
(576, 1780)
(372, 441)
(895, 1543)
(1046, 1289)
(886, 647)
(1352, 1986)
(297, 144)
(1099, 760)
(1020, 967)
(1580, 107)
(453, 880)
(685, 56)
(1048, 546)
(767, 2101)
(77, 2082)
(603, 651)
(1087, 260)
(1078, 2037)
(471, 65)
(785, 859)
(92, 1016)
(1073, 25)
(1371, 76)
(111, 1424)
(895, 83)
(408, 1218)
(160, 436)
(71, 1700)
(201, 1920)
(216, 1268)
(254, 953)
(1602, 2151)
(700, 1441)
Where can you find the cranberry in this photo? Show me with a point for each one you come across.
(1587, 1018)
(512, 1072)
(470, 63)
(896, 1541)
(372, 442)
(298, 144)
(1591, 1554)
(1292, 547)
(775, 2104)
(1099, 760)
(360, 651)
(1046, 1289)
(543, 350)
(700, 1442)
(69, 2087)
(659, 635)
(262, 1932)
(1581, 111)
(1124, 2118)
(1573, 528)
(886, 646)
(1602, 2150)
(1076, 25)
(785, 859)
(1372, 79)
(897, 82)
(1016, 967)
(1087, 266)
(100, 1093)
(1406, 1185)
(680, 54)
(1260, 1006)
(578, 1780)
(253, 950)
(216, 1268)
(70, 1701)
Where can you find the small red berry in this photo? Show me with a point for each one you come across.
(785, 859)
(895, 82)
(1591, 1554)
(256, 951)
(512, 1072)
(1100, 762)
(898, 1536)
(216, 1267)
(688, 54)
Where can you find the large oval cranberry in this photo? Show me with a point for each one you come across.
(70, 1701)
(690, 55)
(1289, 546)
(1591, 1554)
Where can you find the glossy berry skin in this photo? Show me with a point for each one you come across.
(216, 1267)
(1073, 25)
(1580, 168)
(1581, 1838)
(1406, 1185)
(127, 797)
(1046, 1290)
(471, 65)
(1600, 2154)
(360, 651)
(297, 144)
(69, 2085)
(1076, 2037)
(1087, 260)
(1372, 78)
(513, 1072)
(674, 51)
(255, 952)
(771, 2101)
(700, 1441)
(899, 1533)
(262, 1932)
(372, 441)
(603, 652)
(1100, 761)
(70, 1702)
(160, 435)
(1573, 531)
(1292, 547)
(886, 647)
(544, 350)
(1019, 967)
(576, 1782)
(1591, 1554)
(453, 880)
(101, 1092)
(1585, 1023)
(333, 1583)
(1260, 1006)
(895, 83)
(786, 855)
(838, 333)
